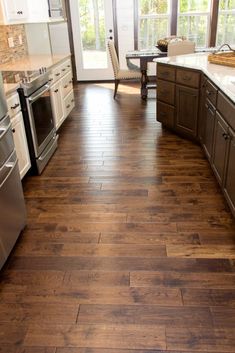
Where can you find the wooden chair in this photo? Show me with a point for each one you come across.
(180, 47)
(120, 74)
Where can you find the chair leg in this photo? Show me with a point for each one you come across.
(116, 88)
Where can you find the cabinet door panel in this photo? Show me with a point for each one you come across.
(202, 110)
(188, 78)
(187, 110)
(165, 72)
(16, 9)
(165, 114)
(21, 144)
(57, 106)
(209, 129)
(229, 185)
(220, 147)
(166, 92)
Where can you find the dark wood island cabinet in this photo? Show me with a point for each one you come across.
(190, 104)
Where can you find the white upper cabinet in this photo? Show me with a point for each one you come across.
(38, 11)
(14, 11)
(23, 11)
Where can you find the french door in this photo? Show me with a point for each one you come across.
(92, 23)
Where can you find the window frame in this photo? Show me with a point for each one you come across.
(223, 12)
(212, 28)
(197, 14)
(139, 17)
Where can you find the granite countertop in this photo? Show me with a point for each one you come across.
(33, 62)
(222, 76)
(30, 63)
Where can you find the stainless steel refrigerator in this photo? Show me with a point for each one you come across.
(12, 205)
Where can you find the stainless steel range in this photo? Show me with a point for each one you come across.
(36, 106)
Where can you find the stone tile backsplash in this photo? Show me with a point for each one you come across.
(19, 50)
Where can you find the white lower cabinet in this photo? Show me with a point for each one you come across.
(21, 145)
(69, 103)
(62, 95)
(57, 104)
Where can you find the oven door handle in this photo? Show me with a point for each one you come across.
(39, 93)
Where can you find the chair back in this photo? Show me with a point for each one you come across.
(114, 58)
(180, 47)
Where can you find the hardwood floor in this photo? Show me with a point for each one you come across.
(129, 247)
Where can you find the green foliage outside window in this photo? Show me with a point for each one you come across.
(92, 24)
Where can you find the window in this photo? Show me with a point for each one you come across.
(226, 22)
(194, 20)
(154, 22)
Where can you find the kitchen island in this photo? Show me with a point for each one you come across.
(197, 100)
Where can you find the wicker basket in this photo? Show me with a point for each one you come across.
(223, 58)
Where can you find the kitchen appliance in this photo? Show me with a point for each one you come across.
(12, 205)
(36, 106)
(56, 8)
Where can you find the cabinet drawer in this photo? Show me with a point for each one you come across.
(56, 73)
(66, 67)
(227, 109)
(166, 72)
(69, 103)
(165, 114)
(211, 92)
(166, 92)
(13, 103)
(188, 78)
(67, 84)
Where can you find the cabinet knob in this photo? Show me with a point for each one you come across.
(13, 130)
(226, 136)
(56, 90)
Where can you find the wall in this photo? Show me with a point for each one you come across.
(59, 38)
(125, 24)
(38, 38)
(7, 54)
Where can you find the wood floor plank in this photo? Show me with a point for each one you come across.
(145, 315)
(36, 312)
(98, 336)
(97, 278)
(12, 349)
(208, 297)
(201, 251)
(201, 340)
(97, 350)
(68, 263)
(104, 250)
(145, 238)
(183, 280)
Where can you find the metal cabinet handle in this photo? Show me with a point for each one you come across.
(58, 74)
(56, 90)
(13, 130)
(66, 86)
(15, 106)
(186, 78)
(68, 106)
(209, 93)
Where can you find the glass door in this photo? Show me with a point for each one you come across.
(92, 22)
